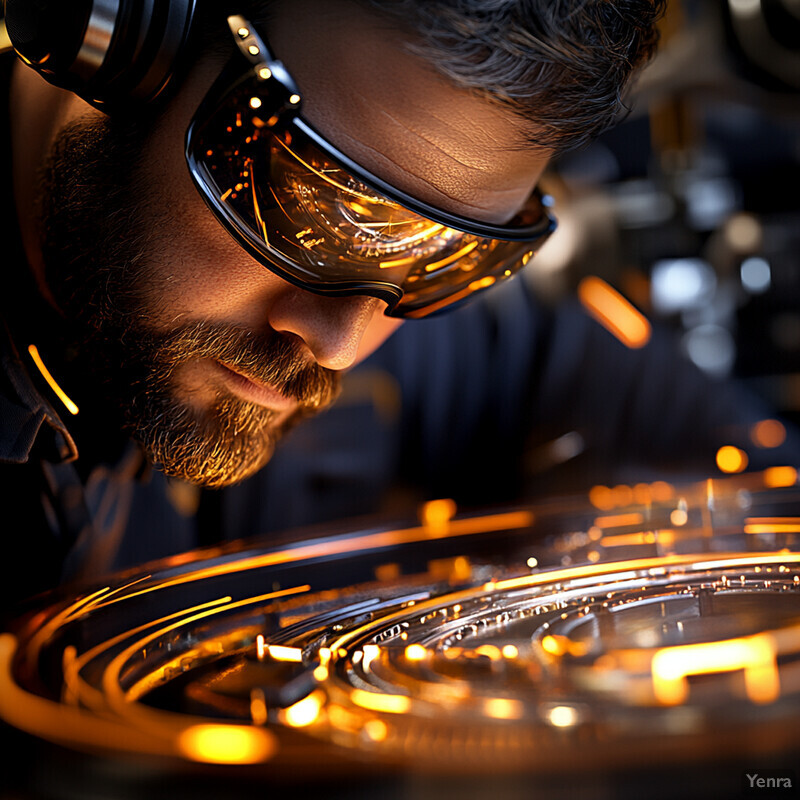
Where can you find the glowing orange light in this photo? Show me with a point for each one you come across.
(510, 651)
(60, 393)
(642, 494)
(602, 498)
(281, 653)
(756, 525)
(305, 711)
(678, 517)
(436, 514)
(777, 477)
(467, 248)
(731, 459)
(561, 645)
(753, 654)
(623, 495)
(562, 716)
(226, 744)
(768, 433)
(489, 650)
(618, 520)
(391, 703)
(264, 73)
(502, 708)
(376, 729)
(661, 491)
(614, 312)
(258, 707)
(416, 652)
(623, 539)
(481, 283)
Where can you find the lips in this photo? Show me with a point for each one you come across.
(255, 391)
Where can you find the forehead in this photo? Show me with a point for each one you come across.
(390, 110)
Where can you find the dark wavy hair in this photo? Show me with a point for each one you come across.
(561, 65)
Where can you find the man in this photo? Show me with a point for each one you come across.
(181, 350)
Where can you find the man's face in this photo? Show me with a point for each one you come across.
(210, 355)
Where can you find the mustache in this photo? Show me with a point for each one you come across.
(266, 356)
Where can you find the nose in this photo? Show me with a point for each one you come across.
(331, 327)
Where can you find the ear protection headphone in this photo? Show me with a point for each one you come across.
(104, 51)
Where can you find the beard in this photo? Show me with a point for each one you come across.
(95, 244)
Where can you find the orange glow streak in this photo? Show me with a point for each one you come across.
(188, 578)
(50, 627)
(588, 571)
(416, 652)
(617, 520)
(226, 195)
(398, 262)
(226, 744)
(77, 728)
(454, 298)
(256, 206)
(121, 700)
(731, 459)
(346, 189)
(260, 646)
(503, 708)
(772, 525)
(753, 654)
(372, 541)
(281, 653)
(778, 477)
(598, 570)
(768, 433)
(90, 696)
(304, 712)
(623, 539)
(614, 312)
(62, 395)
(389, 703)
(467, 248)
(481, 283)
(561, 645)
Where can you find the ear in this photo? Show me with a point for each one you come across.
(38, 111)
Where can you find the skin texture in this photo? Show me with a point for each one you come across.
(382, 106)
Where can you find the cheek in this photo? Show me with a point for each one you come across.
(377, 332)
(195, 269)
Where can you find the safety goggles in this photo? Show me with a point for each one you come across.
(314, 217)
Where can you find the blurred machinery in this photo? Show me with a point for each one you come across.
(690, 207)
(625, 646)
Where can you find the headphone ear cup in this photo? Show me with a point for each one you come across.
(105, 51)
